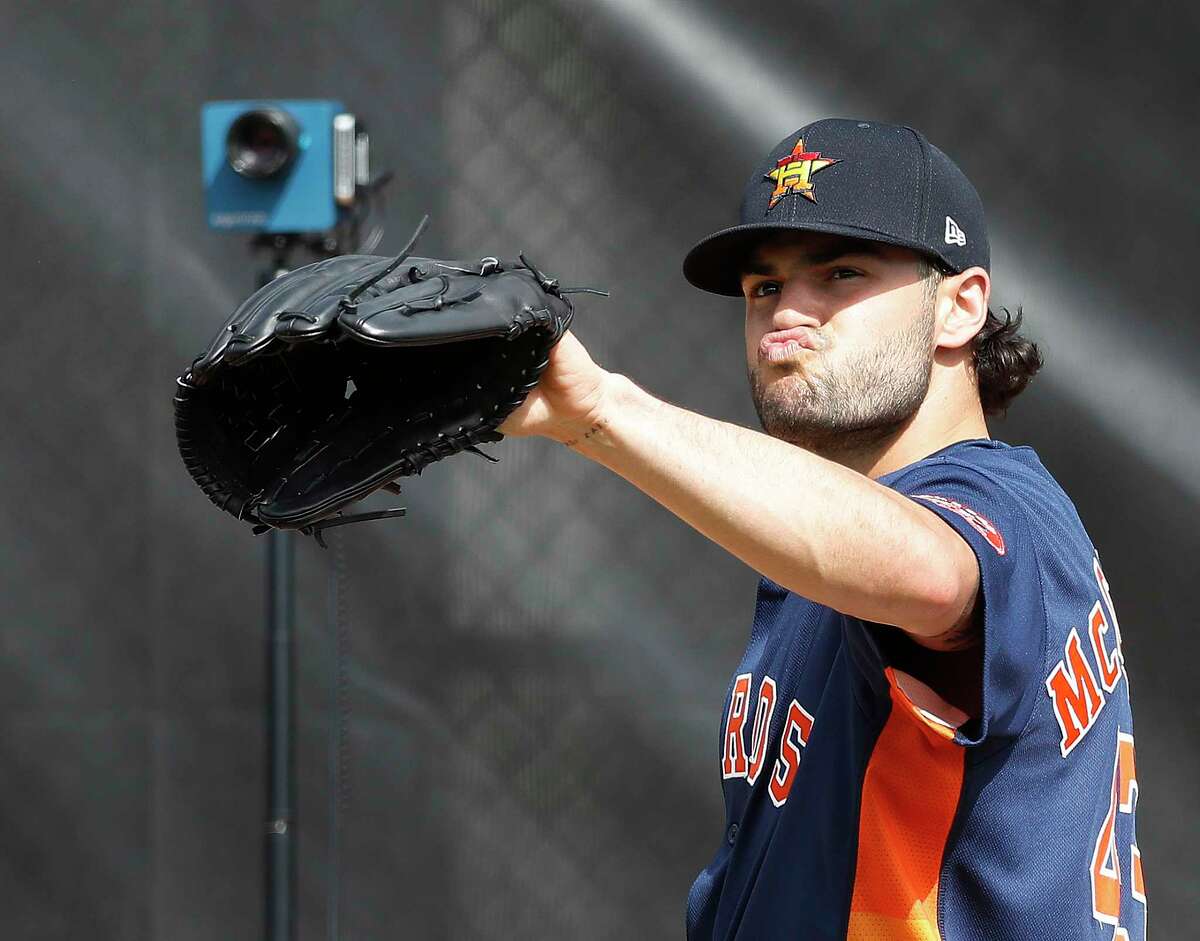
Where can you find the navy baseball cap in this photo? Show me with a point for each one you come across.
(881, 182)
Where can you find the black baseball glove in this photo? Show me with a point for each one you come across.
(336, 379)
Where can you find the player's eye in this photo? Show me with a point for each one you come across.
(842, 274)
(763, 288)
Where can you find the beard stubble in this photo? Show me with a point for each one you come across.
(855, 409)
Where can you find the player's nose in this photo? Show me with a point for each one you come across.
(798, 306)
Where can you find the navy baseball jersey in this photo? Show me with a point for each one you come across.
(851, 812)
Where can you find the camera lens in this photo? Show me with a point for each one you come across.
(262, 143)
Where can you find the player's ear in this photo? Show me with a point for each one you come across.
(962, 307)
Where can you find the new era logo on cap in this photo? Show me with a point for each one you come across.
(954, 235)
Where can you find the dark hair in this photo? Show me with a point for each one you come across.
(1004, 361)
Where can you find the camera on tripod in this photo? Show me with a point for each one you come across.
(288, 166)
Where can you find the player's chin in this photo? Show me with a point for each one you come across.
(770, 373)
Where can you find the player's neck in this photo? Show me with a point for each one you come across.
(908, 449)
(940, 421)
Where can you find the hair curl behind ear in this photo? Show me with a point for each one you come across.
(1004, 361)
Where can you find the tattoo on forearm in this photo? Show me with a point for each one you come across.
(594, 430)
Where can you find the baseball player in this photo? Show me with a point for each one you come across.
(929, 734)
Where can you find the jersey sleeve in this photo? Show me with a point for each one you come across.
(997, 525)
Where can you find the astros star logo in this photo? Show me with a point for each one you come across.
(793, 173)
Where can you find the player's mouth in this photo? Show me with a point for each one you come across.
(781, 345)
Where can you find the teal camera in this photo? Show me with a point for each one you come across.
(287, 166)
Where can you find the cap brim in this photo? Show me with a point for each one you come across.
(715, 264)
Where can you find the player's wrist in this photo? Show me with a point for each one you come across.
(614, 392)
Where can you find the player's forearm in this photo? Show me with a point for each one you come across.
(817, 528)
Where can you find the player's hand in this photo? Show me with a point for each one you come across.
(567, 398)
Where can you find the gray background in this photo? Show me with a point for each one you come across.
(539, 651)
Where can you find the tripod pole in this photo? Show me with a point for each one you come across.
(280, 848)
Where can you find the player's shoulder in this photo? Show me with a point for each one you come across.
(995, 477)
(981, 462)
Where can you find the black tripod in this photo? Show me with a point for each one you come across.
(280, 846)
(279, 849)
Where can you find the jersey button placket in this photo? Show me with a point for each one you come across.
(731, 836)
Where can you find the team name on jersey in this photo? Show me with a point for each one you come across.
(797, 728)
(1077, 691)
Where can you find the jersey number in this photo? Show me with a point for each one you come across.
(1106, 857)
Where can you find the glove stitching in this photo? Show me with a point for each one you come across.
(197, 411)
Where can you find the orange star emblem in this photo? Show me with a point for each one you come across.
(793, 173)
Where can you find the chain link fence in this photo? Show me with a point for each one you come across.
(566, 623)
(538, 651)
